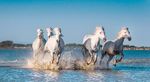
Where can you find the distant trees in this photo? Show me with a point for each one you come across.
(73, 45)
(11, 44)
(6, 44)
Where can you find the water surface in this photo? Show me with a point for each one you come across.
(135, 68)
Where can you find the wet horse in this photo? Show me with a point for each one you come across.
(61, 44)
(38, 44)
(49, 34)
(91, 44)
(112, 48)
(55, 45)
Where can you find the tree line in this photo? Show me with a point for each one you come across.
(11, 44)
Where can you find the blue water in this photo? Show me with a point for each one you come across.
(134, 68)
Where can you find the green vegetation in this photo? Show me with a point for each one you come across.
(11, 44)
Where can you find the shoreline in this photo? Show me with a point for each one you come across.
(72, 46)
(11, 45)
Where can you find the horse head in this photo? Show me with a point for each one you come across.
(124, 33)
(49, 31)
(39, 33)
(100, 32)
(57, 31)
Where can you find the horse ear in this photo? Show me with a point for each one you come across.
(103, 28)
(58, 29)
(39, 30)
(124, 28)
(49, 29)
(99, 27)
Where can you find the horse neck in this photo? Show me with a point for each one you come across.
(119, 42)
(39, 42)
(40, 39)
(96, 39)
(49, 36)
(57, 37)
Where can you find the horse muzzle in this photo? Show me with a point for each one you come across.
(129, 38)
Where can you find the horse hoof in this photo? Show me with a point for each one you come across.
(88, 63)
(57, 63)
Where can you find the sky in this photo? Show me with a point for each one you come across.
(19, 19)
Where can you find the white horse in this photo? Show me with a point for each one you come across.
(38, 44)
(55, 45)
(86, 37)
(49, 34)
(112, 48)
(91, 43)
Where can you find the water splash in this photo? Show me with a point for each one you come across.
(42, 61)
(71, 59)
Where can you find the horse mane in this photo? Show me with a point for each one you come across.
(118, 34)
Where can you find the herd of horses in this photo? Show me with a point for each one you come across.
(54, 45)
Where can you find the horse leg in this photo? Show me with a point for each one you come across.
(34, 55)
(58, 57)
(110, 58)
(103, 54)
(95, 58)
(114, 62)
(91, 57)
(52, 54)
(122, 55)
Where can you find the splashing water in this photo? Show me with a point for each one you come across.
(70, 59)
(135, 67)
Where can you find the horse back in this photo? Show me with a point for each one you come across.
(109, 48)
(87, 44)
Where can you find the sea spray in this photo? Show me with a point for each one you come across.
(42, 61)
(72, 59)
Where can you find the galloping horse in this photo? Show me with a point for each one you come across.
(49, 34)
(114, 48)
(55, 45)
(38, 44)
(61, 44)
(91, 42)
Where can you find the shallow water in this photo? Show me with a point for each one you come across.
(135, 68)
